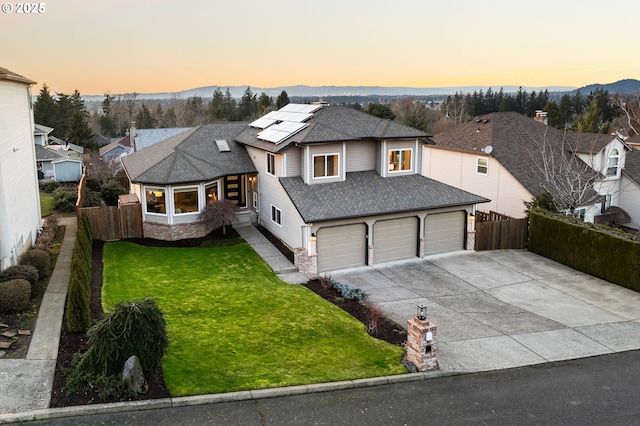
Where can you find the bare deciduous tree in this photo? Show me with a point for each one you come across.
(563, 174)
(630, 106)
(98, 169)
(220, 211)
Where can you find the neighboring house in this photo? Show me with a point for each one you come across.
(116, 149)
(145, 138)
(20, 218)
(499, 156)
(341, 188)
(55, 159)
(100, 140)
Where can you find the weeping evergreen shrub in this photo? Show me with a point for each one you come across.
(132, 328)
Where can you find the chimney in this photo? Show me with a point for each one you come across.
(541, 117)
(132, 136)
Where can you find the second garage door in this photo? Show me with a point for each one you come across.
(395, 239)
(341, 247)
(444, 232)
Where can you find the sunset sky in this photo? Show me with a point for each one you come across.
(120, 46)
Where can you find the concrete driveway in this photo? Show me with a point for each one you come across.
(503, 309)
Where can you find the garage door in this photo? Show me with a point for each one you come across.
(395, 239)
(341, 247)
(444, 232)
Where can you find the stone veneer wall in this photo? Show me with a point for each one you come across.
(307, 264)
(420, 351)
(181, 231)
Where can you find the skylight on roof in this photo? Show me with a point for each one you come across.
(223, 145)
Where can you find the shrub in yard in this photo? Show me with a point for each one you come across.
(38, 258)
(349, 292)
(78, 312)
(15, 296)
(51, 186)
(22, 272)
(110, 192)
(132, 328)
(64, 199)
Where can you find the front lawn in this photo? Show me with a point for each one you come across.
(233, 325)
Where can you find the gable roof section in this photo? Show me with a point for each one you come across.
(336, 124)
(123, 142)
(40, 129)
(5, 74)
(192, 156)
(368, 194)
(515, 139)
(632, 165)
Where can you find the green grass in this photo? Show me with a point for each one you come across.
(45, 204)
(233, 325)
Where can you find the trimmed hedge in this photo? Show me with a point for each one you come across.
(40, 259)
(15, 296)
(22, 272)
(600, 251)
(78, 312)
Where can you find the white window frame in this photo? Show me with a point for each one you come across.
(209, 185)
(255, 200)
(271, 164)
(485, 166)
(190, 188)
(276, 215)
(613, 158)
(162, 189)
(325, 176)
(399, 151)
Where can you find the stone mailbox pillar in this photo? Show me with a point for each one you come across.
(421, 344)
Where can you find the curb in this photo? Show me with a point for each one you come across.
(186, 401)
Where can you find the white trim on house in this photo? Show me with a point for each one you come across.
(276, 215)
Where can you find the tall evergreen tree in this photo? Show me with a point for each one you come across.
(264, 103)
(248, 108)
(144, 120)
(79, 132)
(282, 100)
(107, 119)
(170, 118)
(44, 109)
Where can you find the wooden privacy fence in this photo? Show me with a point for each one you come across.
(114, 223)
(498, 232)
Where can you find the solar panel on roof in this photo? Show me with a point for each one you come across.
(279, 125)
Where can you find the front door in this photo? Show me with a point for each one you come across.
(234, 190)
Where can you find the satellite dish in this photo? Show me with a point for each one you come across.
(487, 149)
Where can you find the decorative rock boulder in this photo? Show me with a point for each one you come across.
(132, 374)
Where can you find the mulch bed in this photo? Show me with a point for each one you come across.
(72, 343)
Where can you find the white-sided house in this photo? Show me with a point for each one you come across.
(56, 161)
(617, 164)
(495, 156)
(176, 178)
(20, 217)
(342, 188)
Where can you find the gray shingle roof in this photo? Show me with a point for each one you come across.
(147, 137)
(336, 124)
(515, 139)
(368, 194)
(632, 165)
(191, 156)
(44, 154)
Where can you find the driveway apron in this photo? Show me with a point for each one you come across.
(503, 309)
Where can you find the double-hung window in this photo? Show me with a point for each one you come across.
(482, 165)
(325, 165)
(271, 164)
(612, 163)
(276, 215)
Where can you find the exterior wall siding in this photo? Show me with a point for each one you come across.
(292, 159)
(361, 156)
(19, 198)
(629, 201)
(68, 171)
(399, 145)
(272, 193)
(310, 151)
(459, 170)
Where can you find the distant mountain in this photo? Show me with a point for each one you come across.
(628, 86)
(320, 91)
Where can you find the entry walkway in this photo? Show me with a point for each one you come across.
(285, 270)
(26, 384)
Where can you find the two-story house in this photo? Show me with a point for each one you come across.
(507, 157)
(341, 188)
(20, 217)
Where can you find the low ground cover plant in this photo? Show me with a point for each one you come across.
(233, 325)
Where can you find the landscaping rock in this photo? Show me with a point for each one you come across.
(132, 374)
